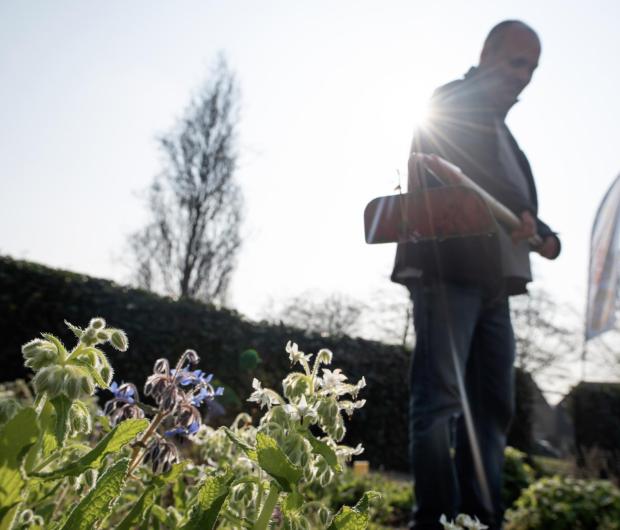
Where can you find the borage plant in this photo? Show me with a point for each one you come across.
(56, 473)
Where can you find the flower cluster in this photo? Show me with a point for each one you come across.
(180, 391)
(310, 400)
(76, 373)
(178, 394)
(462, 522)
(123, 406)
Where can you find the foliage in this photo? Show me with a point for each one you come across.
(394, 508)
(57, 471)
(517, 475)
(595, 408)
(188, 248)
(558, 503)
(30, 300)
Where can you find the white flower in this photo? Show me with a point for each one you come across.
(295, 355)
(346, 452)
(350, 406)
(301, 409)
(448, 525)
(333, 381)
(264, 396)
(468, 522)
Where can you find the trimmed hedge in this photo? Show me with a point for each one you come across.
(34, 298)
(595, 409)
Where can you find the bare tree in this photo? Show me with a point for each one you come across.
(188, 248)
(331, 315)
(385, 317)
(547, 336)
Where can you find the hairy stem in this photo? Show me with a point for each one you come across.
(136, 455)
(265, 515)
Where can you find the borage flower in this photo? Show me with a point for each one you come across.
(123, 406)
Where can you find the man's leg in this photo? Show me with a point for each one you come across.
(444, 317)
(490, 389)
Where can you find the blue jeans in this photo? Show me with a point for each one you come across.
(464, 346)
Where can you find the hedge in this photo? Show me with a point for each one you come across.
(35, 298)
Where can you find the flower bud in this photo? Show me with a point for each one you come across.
(103, 335)
(107, 374)
(39, 353)
(191, 356)
(89, 337)
(97, 323)
(119, 340)
(324, 356)
(79, 419)
(50, 380)
(88, 385)
(323, 514)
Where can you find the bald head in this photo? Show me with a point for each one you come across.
(508, 59)
(496, 36)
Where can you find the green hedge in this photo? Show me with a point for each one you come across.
(595, 409)
(34, 298)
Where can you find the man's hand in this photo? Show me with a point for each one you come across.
(526, 229)
(550, 247)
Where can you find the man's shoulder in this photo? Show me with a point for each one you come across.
(460, 94)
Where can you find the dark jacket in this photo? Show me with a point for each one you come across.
(462, 129)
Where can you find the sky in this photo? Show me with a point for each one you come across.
(330, 94)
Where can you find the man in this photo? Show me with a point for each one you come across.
(462, 369)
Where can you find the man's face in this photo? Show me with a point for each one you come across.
(509, 68)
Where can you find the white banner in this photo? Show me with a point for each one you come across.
(604, 264)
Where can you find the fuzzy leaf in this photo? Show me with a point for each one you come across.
(78, 332)
(273, 460)
(112, 442)
(321, 448)
(140, 510)
(247, 448)
(61, 404)
(208, 502)
(92, 371)
(16, 438)
(355, 518)
(95, 506)
(56, 341)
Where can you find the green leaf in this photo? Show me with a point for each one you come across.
(78, 332)
(321, 448)
(92, 371)
(247, 448)
(56, 341)
(140, 510)
(208, 502)
(275, 462)
(95, 507)
(16, 438)
(61, 404)
(112, 442)
(355, 518)
(46, 443)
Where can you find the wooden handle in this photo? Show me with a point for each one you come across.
(448, 173)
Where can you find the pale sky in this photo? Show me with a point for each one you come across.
(330, 95)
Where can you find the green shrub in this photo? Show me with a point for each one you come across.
(392, 510)
(560, 503)
(518, 475)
